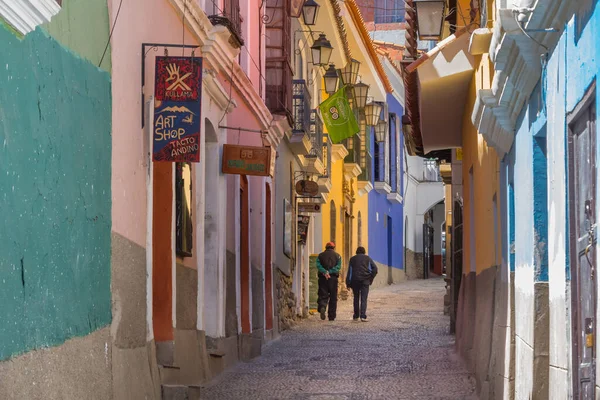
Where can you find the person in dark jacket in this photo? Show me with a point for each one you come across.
(361, 272)
(329, 264)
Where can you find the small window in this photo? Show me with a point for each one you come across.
(183, 209)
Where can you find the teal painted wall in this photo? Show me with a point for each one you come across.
(55, 193)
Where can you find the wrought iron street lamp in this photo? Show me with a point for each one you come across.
(381, 131)
(361, 91)
(310, 10)
(321, 50)
(430, 18)
(332, 79)
(373, 113)
(350, 72)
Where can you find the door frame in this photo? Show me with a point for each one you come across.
(587, 102)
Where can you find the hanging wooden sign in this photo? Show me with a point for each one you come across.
(307, 188)
(247, 160)
(309, 208)
(177, 93)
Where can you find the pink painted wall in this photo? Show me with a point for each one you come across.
(159, 24)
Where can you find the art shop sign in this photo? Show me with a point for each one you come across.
(177, 91)
(248, 160)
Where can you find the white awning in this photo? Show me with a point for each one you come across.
(445, 74)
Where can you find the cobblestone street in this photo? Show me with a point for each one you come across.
(403, 352)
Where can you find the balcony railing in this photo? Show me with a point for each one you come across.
(366, 168)
(278, 68)
(231, 18)
(353, 146)
(327, 156)
(301, 107)
(316, 136)
(431, 171)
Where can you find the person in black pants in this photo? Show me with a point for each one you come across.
(329, 264)
(361, 272)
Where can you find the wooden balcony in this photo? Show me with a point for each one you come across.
(232, 19)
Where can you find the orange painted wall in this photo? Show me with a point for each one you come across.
(162, 252)
(484, 163)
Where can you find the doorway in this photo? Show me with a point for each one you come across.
(268, 262)
(244, 256)
(457, 259)
(427, 249)
(347, 244)
(390, 261)
(582, 217)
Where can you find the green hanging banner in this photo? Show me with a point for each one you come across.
(338, 117)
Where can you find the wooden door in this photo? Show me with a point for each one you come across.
(244, 256)
(457, 258)
(582, 223)
(268, 261)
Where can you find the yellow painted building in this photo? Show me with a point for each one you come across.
(451, 79)
(345, 212)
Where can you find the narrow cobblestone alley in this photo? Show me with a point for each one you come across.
(403, 352)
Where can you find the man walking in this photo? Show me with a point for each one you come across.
(329, 264)
(361, 272)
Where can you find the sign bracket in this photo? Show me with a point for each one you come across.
(155, 47)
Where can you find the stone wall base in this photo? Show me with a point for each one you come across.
(285, 301)
(89, 367)
(484, 331)
(414, 264)
(388, 276)
(223, 353)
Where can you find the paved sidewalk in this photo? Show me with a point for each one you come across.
(404, 352)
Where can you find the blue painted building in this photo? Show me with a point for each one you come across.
(386, 214)
(541, 119)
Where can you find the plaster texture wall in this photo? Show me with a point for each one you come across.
(72, 25)
(335, 195)
(524, 260)
(482, 316)
(55, 128)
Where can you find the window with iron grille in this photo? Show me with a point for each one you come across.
(392, 153)
(378, 161)
(301, 111)
(389, 11)
(183, 209)
(278, 65)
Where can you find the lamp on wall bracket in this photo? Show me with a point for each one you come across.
(361, 92)
(373, 113)
(321, 50)
(350, 72)
(430, 18)
(381, 131)
(310, 11)
(331, 79)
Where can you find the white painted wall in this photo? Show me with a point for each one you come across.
(418, 199)
(560, 347)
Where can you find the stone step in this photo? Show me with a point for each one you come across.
(180, 392)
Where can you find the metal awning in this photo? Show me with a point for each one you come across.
(444, 75)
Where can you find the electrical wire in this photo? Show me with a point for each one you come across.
(111, 33)
(183, 27)
(230, 91)
(528, 35)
